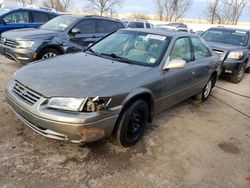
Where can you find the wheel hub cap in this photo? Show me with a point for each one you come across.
(208, 89)
(49, 55)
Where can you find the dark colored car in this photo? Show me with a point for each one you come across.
(61, 35)
(23, 18)
(114, 87)
(233, 47)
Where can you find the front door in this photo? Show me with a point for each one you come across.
(16, 20)
(178, 83)
(85, 37)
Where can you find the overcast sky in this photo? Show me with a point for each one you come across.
(196, 11)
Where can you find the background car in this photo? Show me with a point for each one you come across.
(115, 87)
(139, 24)
(233, 47)
(23, 18)
(63, 34)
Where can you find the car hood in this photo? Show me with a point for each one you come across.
(225, 47)
(78, 75)
(28, 33)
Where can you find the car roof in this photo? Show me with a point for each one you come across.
(228, 29)
(33, 9)
(90, 16)
(161, 32)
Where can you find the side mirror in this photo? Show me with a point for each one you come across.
(90, 44)
(3, 21)
(174, 64)
(75, 31)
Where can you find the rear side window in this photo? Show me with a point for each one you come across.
(40, 17)
(106, 26)
(18, 17)
(136, 25)
(200, 49)
(86, 26)
(148, 25)
(182, 50)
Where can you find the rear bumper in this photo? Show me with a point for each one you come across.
(22, 56)
(76, 128)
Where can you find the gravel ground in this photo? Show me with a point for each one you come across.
(188, 145)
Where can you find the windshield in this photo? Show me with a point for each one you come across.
(60, 23)
(233, 37)
(134, 47)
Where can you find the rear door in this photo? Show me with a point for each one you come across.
(178, 83)
(87, 34)
(203, 61)
(16, 20)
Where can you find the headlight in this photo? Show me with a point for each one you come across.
(25, 44)
(69, 104)
(96, 104)
(235, 55)
(79, 104)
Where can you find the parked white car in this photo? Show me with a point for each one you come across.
(139, 24)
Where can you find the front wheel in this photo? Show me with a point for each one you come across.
(204, 95)
(48, 53)
(238, 75)
(132, 123)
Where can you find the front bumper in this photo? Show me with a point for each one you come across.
(22, 56)
(72, 127)
(231, 67)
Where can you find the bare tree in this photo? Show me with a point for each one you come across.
(226, 11)
(159, 4)
(103, 6)
(213, 9)
(237, 8)
(172, 9)
(59, 5)
(27, 2)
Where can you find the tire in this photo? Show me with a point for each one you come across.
(132, 123)
(247, 70)
(204, 95)
(238, 75)
(48, 53)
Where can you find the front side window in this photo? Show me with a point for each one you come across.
(86, 26)
(200, 49)
(182, 50)
(60, 23)
(106, 26)
(40, 17)
(18, 17)
(136, 47)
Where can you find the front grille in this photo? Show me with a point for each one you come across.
(26, 94)
(7, 42)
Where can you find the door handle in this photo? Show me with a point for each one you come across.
(94, 36)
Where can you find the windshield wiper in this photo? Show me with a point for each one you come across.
(92, 51)
(114, 56)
